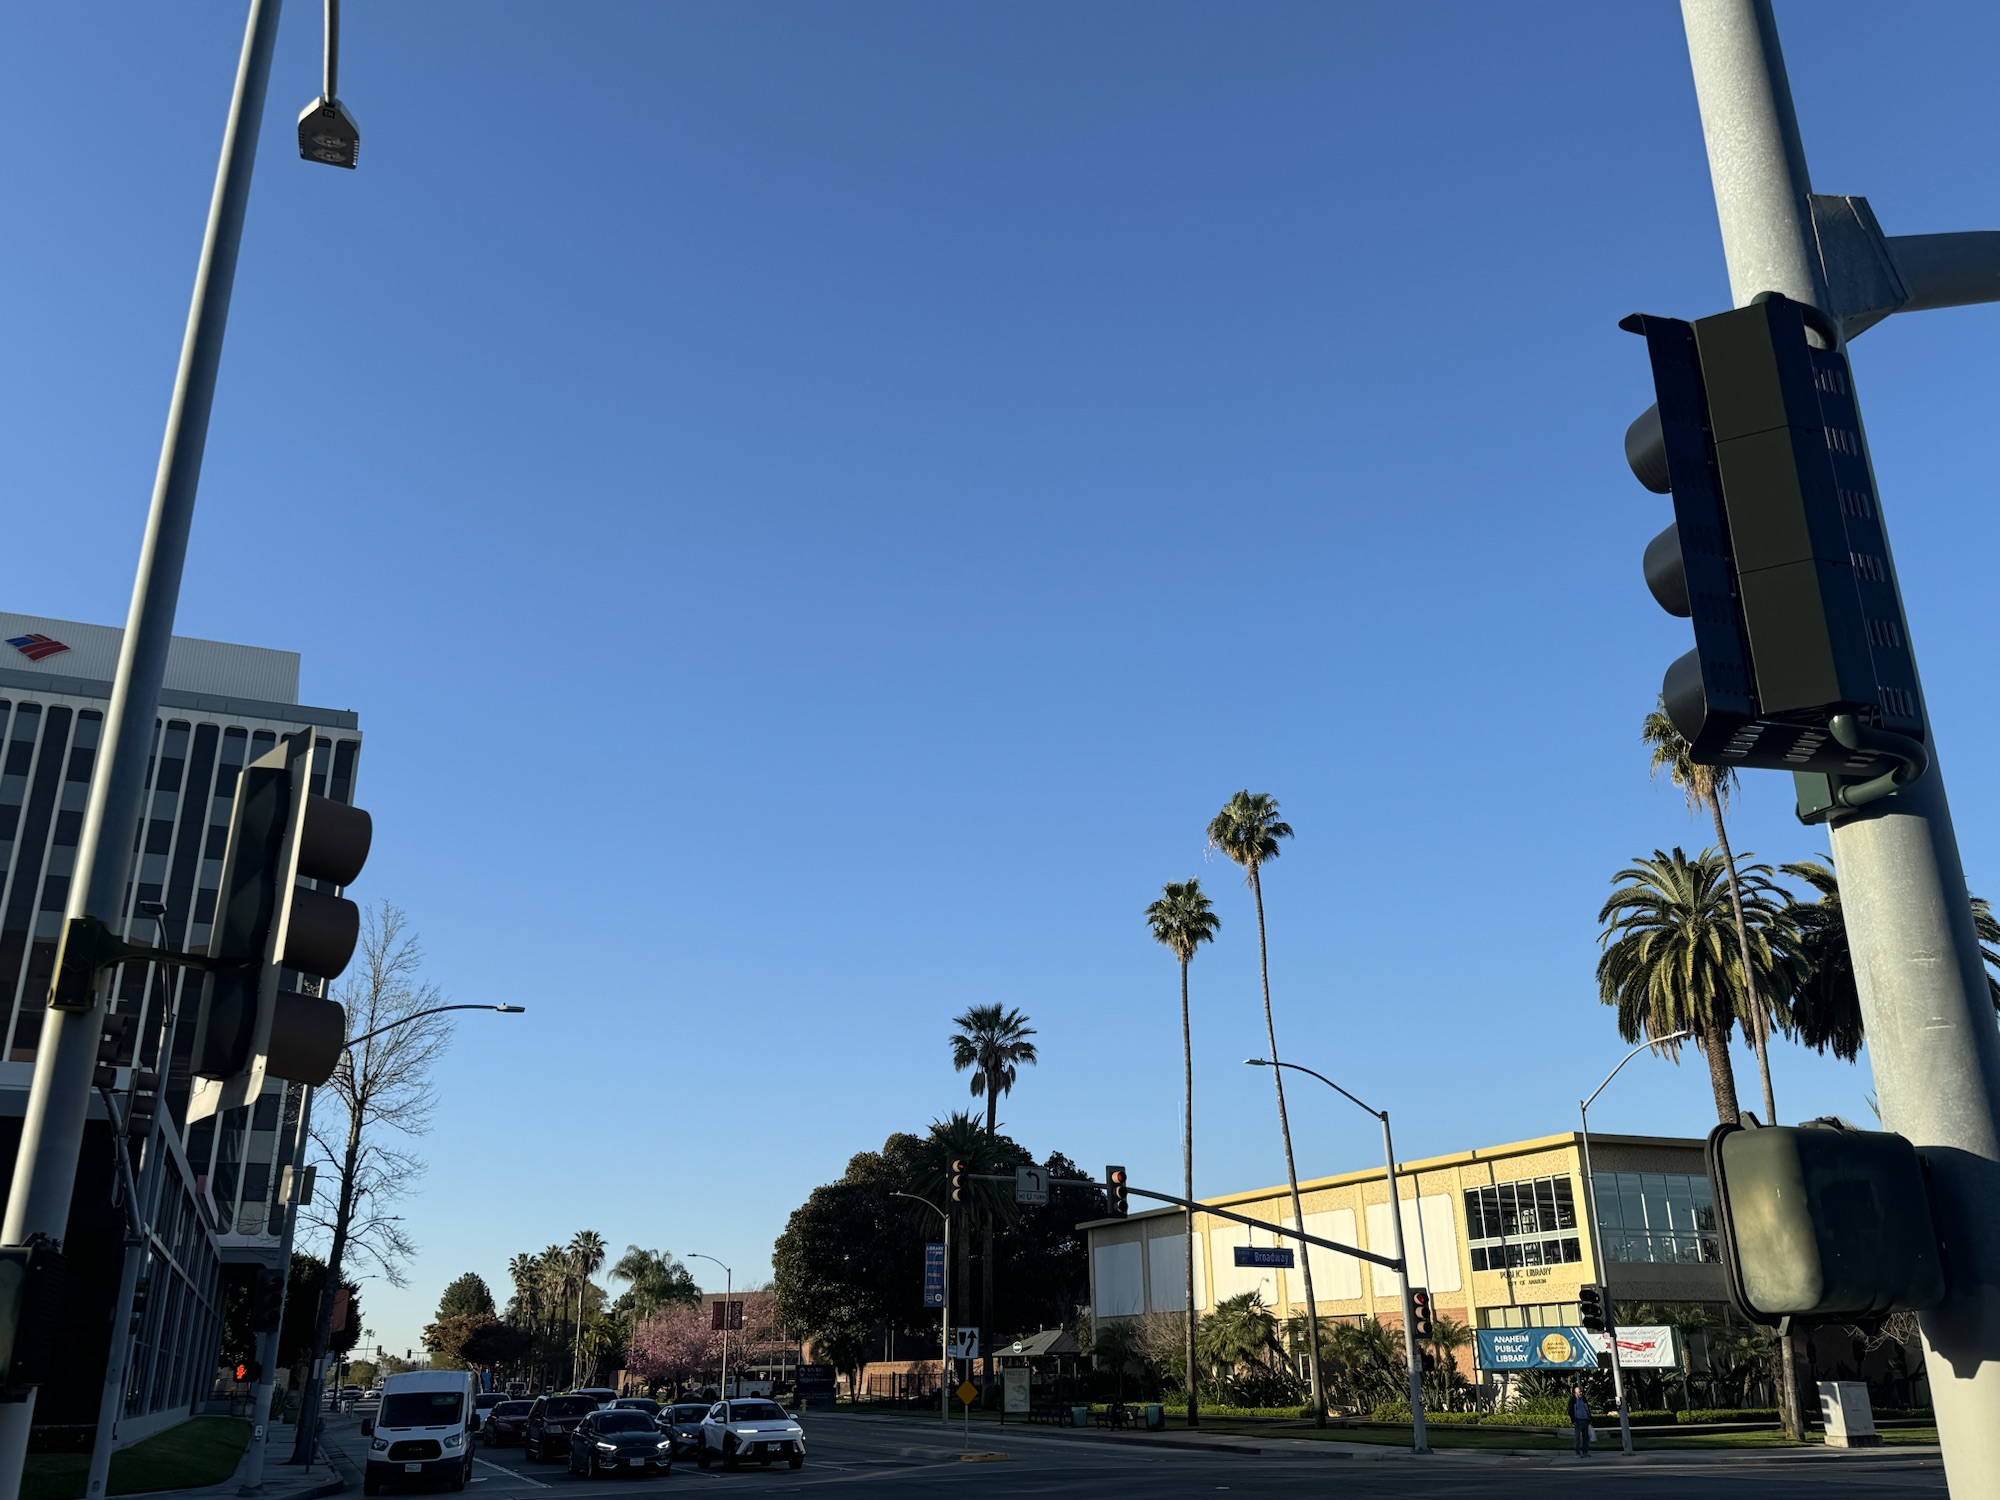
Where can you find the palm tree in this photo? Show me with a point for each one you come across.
(1247, 830)
(521, 1271)
(1826, 1012)
(1240, 1331)
(1671, 961)
(1709, 787)
(1182, 919)
(586, 1254)
(655, 1278)
(1369, 1360)
(992, 1041)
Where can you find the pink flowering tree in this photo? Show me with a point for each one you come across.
(681, 1345)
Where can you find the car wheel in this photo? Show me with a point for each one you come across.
(701, 1457)
(796, 1461)
(729, 1453)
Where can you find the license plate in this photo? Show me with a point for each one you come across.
(635, 1463)
(413, 1468)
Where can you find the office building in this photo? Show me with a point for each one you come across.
(210, 1195)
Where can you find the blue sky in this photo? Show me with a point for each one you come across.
(816, 506)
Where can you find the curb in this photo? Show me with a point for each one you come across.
(1075, 1434)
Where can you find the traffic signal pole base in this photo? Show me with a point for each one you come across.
(1936, 1059)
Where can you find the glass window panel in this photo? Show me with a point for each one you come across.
(1631, 1204)
(1654, 1192)
(1609, 1211)
(1565, 1204)
(1680, 1204)
(1545, 1204)
(1532, 1252)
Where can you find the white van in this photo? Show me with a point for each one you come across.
(423, 1432)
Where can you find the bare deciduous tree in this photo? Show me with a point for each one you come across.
(378, 1099)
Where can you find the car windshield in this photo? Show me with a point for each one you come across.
(689, 1413)
(626, 1421)
(423, 1408)
(638, 1403)
(513, 1408)
(756, 1411)
(569, 1406)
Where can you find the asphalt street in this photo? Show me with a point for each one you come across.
(863, 1455)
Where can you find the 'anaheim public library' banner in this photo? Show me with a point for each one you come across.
(1649, 1348)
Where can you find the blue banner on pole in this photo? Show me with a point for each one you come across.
(1536, 1349)
(934, 1275)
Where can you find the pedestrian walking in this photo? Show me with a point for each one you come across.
(1579, 1419)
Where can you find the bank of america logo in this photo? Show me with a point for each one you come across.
(35, 647)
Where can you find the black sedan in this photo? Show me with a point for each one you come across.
(550, 1423)
(682, 1422)
(612, 1442)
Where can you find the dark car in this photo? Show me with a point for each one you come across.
(612, 1441)
(506, 1423)
(550, 1422)
(682, 1422)
(645, 1404)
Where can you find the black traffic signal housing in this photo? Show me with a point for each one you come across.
(1422, 1323)
(32, 1280)
(251, 1024)
(1590, 1309)
(959, 1168)
(114, 1050)
(249, 1372)
(1823, 1221)
(1114, 1179)
(1777, 555)
(267, 1302)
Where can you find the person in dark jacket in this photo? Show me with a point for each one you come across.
(1579, 1419)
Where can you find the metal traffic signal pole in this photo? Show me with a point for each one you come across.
(1930, 1025)
(38, 1200)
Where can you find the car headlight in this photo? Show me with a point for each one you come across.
(454, 1439)
(607, 1447)
(380, 1445)
(666, 1445)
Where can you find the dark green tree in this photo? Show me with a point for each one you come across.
(466, 1296)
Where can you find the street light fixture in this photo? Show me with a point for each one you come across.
(417, 1015)
(1597, 1232)
(944, 1316)
(327, 132)
(728, 1297)
(1419, 1438)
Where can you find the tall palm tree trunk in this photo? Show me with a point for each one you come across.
(1760, 1033)
(1291, 1170)
(1187, 1188)
(1760, 1023)
(1721, 1075)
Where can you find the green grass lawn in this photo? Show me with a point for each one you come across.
(204, 1450)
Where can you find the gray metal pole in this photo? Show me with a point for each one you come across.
(944, 1353)
(117, 1358)
(1419, 1438)
(1931, 1037)
(52, 1129)
(267, 1344)
(1604, 1275)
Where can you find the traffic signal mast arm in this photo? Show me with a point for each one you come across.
(1388, 1261)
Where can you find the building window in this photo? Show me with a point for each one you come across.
(1532, 1315)
(1657, 1218)
(1529, 1223)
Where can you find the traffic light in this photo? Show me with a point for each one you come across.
(249, 1372)
(1590, 1303)
(267, 1302)
(1776, 554)
(1114, 1178)
(114, 1050)
(1420, 1312)
(32, 1278)
(958, 1170)
(251, 1024)
(1823, 1221)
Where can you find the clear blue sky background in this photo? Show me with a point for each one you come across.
(816, 506)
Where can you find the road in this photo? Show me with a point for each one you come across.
(849, 1454)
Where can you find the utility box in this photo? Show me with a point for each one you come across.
(1849, 1419)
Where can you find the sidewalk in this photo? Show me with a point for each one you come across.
(282, 1481)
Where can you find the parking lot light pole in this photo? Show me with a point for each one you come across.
(944, 1315)
(728, 1295)
(1419, 1437)
(1597, 1234)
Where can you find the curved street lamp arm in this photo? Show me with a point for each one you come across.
(355, 1041)
(1265, 1062)
(926, 1203)
(1678, 1036)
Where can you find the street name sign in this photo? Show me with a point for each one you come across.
(1263, 1255)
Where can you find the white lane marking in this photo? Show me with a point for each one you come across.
(511, 1474)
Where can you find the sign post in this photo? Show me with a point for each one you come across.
(967, 1394)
